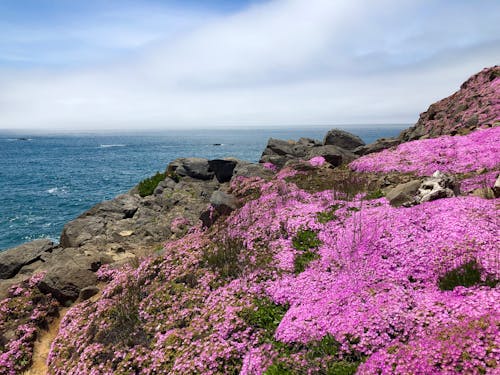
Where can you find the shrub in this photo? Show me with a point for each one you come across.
(467, 275)
(278, 369)
(306, 239)
(147, 186)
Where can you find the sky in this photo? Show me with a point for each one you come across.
(151, 64)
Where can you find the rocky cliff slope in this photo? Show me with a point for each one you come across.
(315, 261)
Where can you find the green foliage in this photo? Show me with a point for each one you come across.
(278, 369)
(327, 346)
(224, 258)
(147, 186)
(376, 194)
(302, 260)
(329, 215)
(265, 316)
(305, 240)
(467, 275)
(342, 368)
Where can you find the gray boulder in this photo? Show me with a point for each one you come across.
(438, 186)
(12, 260)
(197, 168)
(343, 139)
(403, 194)
(65, 281)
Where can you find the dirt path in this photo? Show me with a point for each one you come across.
(42, 346)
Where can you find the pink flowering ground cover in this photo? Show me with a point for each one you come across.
(303, 283)
(22, 314)
(452, 154)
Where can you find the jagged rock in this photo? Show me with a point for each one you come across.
(197, 168)
(223, 169)
(403, 194)
(88, 292)
(439, 185)
(465, 110)
(332, 154)
(65, 281)
(12, 260)
(343, 139)
(223, 203)
(377, 146)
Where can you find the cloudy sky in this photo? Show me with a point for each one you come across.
(125, 64)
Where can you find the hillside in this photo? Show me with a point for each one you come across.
(315, 261)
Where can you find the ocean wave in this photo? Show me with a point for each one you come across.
(112, 145)
(58, 191)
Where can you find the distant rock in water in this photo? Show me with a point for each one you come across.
(476, 104)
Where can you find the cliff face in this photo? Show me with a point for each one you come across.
(476, 104)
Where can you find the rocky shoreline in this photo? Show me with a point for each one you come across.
(198, 193)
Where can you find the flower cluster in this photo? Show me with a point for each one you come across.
(457, 154)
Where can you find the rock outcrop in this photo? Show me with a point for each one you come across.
(336, 149)
(13, 260)
(476, 104)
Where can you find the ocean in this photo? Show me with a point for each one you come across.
(48, 180)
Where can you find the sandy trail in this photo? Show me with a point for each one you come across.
(42, 346)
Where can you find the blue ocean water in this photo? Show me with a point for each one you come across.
(46, 181)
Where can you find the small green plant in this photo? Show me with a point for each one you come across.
(147, 186)
(329, 215)
(224, 258)
(266, 316)
(376, 194)
(302, 260)
(306, 239)
(467, 275)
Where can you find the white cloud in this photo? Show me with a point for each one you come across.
(277, 63)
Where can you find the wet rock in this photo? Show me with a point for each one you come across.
(12, 260)
(343, 139)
